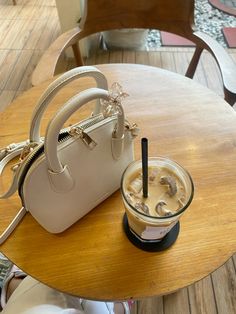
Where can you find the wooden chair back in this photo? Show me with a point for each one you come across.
(174, 16)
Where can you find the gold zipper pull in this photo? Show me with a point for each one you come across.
(87, 140)
(27, 150)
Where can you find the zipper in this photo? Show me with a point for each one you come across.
(76, 131)
(64, 135)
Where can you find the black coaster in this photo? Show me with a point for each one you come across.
(152, 246)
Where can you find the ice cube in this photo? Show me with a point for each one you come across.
(143, 207)
(171, 183)
(153, 175)
(162, 210)
(136, 185)
(181, 201)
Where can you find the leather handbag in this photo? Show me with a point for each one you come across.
(63, 176)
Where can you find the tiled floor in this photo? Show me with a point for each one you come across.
(229, 3)
(228, 6)
(230, 36)
(171, 40)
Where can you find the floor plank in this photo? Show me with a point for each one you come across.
(199, 76)
(9, 59)
(102, 57)
(25, 82)
(181, 62)
(177, 302)
(151, 305)
(234, 261)
(50, 31)
(224, 284)
(6, 97)
(201, 297)
(128, 56)
(142, 57)
(155, 59)
(8, 11)
(115, 56)
(212, 73)
(5, 25)
(36, 34)
(16, 75)
(167, 61)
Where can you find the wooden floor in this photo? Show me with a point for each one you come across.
(26, 30)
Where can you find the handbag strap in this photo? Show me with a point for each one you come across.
(6, 155)
(53, 89)
(11, 227)
(59, 174)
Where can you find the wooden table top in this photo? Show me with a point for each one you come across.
(94, 259)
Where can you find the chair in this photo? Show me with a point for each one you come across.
(167, 15)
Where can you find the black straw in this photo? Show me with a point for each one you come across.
(144, 144)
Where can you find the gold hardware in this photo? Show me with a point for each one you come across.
(87, 140)
(16, 166)
(26, 150)
(7, 150)
(134, 129)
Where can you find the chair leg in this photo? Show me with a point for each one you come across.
(14, 2)
(230, 97)
(77, 55)
(194, 62)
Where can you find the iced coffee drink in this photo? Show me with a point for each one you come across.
(170, 191)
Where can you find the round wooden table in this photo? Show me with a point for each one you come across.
(93, 259)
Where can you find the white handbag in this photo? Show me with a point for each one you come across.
(61, 177)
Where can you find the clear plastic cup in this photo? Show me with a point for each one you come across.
(148, 226)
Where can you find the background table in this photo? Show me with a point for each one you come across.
(94, 259)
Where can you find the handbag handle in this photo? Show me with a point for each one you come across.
(59, 174)
(53, 89)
